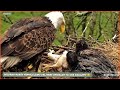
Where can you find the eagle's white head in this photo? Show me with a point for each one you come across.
(57, 19)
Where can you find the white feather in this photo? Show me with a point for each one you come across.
(2, 59)
(9, 61)
(56, 17)
(53, 56)
(60, 60)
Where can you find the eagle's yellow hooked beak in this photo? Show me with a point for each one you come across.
(62, 27)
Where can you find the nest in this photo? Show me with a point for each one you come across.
(111, 51)
(109, 48)
(23, 67)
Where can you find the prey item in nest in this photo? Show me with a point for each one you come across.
(59, 61)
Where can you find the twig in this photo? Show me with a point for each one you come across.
(7, 21)
(68, 37)
(86, 26)
(79, 14)
(79, 23)
(95, 41)
(62, 47)
(59, 51)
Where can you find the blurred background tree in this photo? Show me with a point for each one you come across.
(100, 26)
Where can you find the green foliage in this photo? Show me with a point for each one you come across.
(60, 38)
(73, 23)
(15, 16)
(104, 23)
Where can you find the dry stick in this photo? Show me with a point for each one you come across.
(86, 26)
(95, 41)
(74, 40)
(9, 19)
(62, 47)
(3, 19)
(79, 14)
(60, 50)
(71, 39)
(68, 40)
(79, 23)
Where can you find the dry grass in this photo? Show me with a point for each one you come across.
(111, 50)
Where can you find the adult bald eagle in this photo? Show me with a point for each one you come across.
(89, 60)
(29, 37)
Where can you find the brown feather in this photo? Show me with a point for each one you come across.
(24, 26)
(28, 37)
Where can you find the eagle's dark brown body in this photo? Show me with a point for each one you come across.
(90, 60)
(28, 37)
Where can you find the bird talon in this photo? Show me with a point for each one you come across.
(46, 67)
(51, 51)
